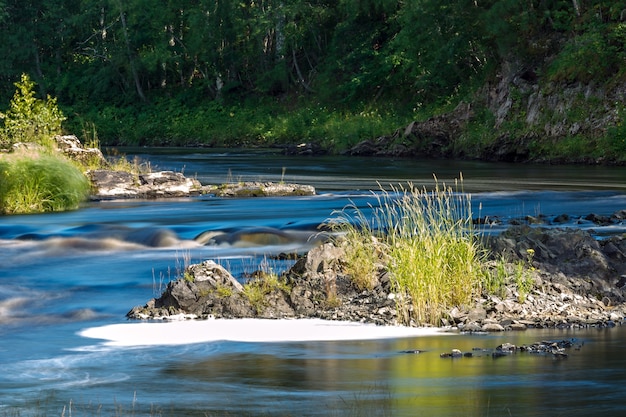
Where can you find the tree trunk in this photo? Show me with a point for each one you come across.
(129, 53)
(576, 7)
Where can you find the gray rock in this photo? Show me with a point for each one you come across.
(120, 184)
(259, 189)
(215, 275)
(492, 327)
(74, 149)
(477, 314)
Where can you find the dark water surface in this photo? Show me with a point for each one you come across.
(62, 273)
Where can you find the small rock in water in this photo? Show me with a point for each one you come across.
(412, 351)
(455, 353)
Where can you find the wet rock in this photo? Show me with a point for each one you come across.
(507, 347)
(412, 351)
(597, 219)
(561, 218)
(454, 353)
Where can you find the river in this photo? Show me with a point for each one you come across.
(65, 277)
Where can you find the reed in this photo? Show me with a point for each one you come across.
(40, 182)
(426, 241)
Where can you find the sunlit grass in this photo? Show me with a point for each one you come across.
(426, 241)
(34, 182)
(257, 289)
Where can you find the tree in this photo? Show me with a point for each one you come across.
(30, 119)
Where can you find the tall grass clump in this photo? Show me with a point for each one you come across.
(427, 243)
(40, 182)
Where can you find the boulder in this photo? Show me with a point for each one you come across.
(205, 289)
(109, 184)
(74, 149)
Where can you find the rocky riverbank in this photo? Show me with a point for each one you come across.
(109, 182)
(576, 281)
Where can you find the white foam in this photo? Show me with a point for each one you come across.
(246, 330)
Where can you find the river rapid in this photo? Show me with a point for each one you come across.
(68, 279)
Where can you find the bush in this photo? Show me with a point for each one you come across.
(32, 183)
(30, 119)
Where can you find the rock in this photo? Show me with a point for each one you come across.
(214, 275)
(507, 347)
(454, 353)
(457, 315)
(518, 326)
(206, 289)
(471, 327)
(120, 184)
(477, 314)
(113, 184)
(433, 137)
(74, 149)
(492, 327)
(259, 189)
(305, 149)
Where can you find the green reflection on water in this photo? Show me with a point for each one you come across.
(379, 378)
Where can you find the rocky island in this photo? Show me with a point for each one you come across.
(577, 281)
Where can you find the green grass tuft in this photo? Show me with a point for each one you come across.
(40, 182)
(427, 242)
(264, 284)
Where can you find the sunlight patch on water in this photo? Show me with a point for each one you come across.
(246, 330)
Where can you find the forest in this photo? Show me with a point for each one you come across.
(266, 72)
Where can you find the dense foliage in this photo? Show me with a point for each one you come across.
(210, 71)
(30, 119)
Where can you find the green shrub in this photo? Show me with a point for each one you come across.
(33, 183)
(427, 242)
(30, 119)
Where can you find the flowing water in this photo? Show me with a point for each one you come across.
(68, 279)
